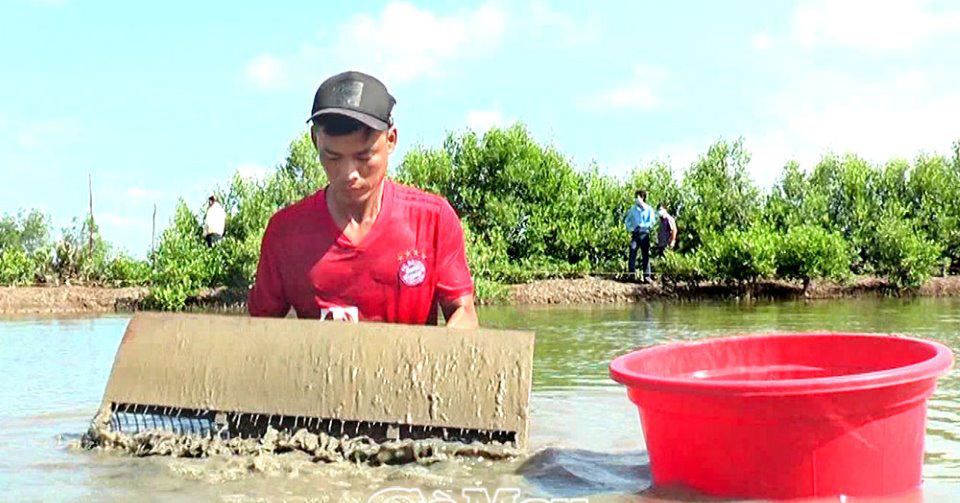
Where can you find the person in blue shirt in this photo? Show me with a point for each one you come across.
(639, 222)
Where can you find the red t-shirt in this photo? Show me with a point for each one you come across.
(412, 257)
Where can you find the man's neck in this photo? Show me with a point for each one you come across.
(366, 211)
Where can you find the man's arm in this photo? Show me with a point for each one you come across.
(455, 288)
(266, 298)
(673, 231)
(460, 313)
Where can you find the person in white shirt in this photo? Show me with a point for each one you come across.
(214, 221)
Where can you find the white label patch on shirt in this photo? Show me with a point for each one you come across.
(340, 313)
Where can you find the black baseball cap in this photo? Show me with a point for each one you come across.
(355, 95)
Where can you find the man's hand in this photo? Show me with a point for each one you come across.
(460, 313)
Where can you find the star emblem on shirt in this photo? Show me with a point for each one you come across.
(409, 254)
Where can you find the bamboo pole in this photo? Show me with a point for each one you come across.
(153, 231)
(90, 223)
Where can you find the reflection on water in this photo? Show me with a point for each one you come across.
(585, 434)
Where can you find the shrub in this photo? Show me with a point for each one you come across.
(533, 215)
(675, 268)
(487, 291)
(43, 265)
(182, 263)
(902, 254)
(716, 194)
(740, 257)
(25, 253)
(794, 200)
(123, 270)
(529, 214)
(934, 202)
(82, 255)
(16, 267)
(809, 252)
(28, 231)
(171, 295)
(850, 187)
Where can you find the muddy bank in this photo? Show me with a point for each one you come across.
(67, 299)
(605, 291)
(589, 290)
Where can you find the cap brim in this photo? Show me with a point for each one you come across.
(366, 119)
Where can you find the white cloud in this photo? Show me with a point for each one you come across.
(42, 133)
(400, 44)
(761, 42)
(879, 120)
(403, 42)
(29, 140)
(676, 156)
(679, 156)
(267, 72)
(882, 128)
(618, 168)
(560, 28)
(252, 171)
(913, 80)
(639, 93)
(125, 221)
(482, 120)
(141, 194)
(873, 24)
(636, 96)
(772, 150)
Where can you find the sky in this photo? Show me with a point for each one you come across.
(157, 101)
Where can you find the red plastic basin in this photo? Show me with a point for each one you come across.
(786, 415)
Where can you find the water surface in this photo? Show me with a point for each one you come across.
(585, 435)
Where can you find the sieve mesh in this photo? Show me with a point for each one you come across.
(131, 419)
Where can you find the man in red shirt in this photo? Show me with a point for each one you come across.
(363, 248)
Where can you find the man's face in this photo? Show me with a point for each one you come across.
(355, 163)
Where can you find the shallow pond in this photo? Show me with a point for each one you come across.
(585, 435)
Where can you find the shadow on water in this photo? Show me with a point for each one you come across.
(580, 473)
(572, 473)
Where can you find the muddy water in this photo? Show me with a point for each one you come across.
(584, 433)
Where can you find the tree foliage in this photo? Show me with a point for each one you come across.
(528, 213)
(740, 257)
(27, 231)
(808, 252)
(717, 194)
